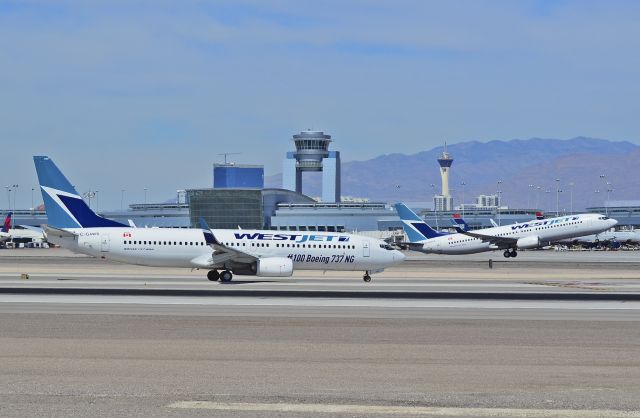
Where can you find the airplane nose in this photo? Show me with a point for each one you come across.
(398, 256)
(613, 222)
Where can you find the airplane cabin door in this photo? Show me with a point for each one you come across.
(104, 243)
(366, 251)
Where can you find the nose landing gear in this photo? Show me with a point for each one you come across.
(366, 277)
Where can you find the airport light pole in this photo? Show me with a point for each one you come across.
(462, 184)
(499, 202)
(538, 188)
(97, 203)
(557, 197)
(529, 196)
(603, 177)
(32, 208)
(548, 192)
(15, 193)
(571, 184)
(435, 204)
(609, 191)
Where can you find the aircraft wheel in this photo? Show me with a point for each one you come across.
(514, 253)
(226, 276)
(506, 254)
(366, 278)
(213, 275)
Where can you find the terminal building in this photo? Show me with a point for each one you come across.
(238, 176)
(238, 198)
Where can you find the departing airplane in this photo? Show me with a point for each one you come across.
(72, 224)
(533, 234)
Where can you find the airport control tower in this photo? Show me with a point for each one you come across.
(312, 154)
(444, 201)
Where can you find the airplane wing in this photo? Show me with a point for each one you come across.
(411, 245)
(32, 228)
(502, 242)
(57, 232)
(221, 253)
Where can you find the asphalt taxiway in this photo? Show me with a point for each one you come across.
(551, 334)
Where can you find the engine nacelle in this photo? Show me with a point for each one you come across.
(274, 267)
(529, 242)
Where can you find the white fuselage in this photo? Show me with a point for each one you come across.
(546, 231)
(166, 247)
(629, 237)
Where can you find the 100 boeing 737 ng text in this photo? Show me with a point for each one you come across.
(73, 225)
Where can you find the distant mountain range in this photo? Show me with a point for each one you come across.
(527, 169)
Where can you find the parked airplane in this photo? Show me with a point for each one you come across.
(72, 224)
(20, 233)
(4, 231)
(606, 238)
(533, 234)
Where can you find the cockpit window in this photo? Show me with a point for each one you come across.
(386, 247)
(603, 218)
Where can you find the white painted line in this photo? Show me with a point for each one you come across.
(400, 410)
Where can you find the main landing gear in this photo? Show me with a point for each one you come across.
(511, 252)
(224, 277)
(366, 277)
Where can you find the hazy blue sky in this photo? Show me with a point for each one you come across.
(133, 94)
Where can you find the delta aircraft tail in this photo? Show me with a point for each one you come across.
(459, 222)
(64, 206)
(7, 223)
(416, 229)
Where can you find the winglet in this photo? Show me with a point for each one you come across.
(209, 238)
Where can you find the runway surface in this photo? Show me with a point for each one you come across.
(433, 337)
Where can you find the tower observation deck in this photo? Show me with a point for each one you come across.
(312, 154)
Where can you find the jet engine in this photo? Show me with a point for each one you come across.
(529, 242)
(274, 267)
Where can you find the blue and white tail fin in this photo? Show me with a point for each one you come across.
(459, 222)
(64, 206)
(416, 229)
(7, 223)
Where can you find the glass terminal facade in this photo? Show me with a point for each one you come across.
(226, 208)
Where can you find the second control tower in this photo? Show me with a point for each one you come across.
(444, 201)
(312, 154)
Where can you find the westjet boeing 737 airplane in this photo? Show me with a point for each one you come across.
(73, 225)
(533, 234)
